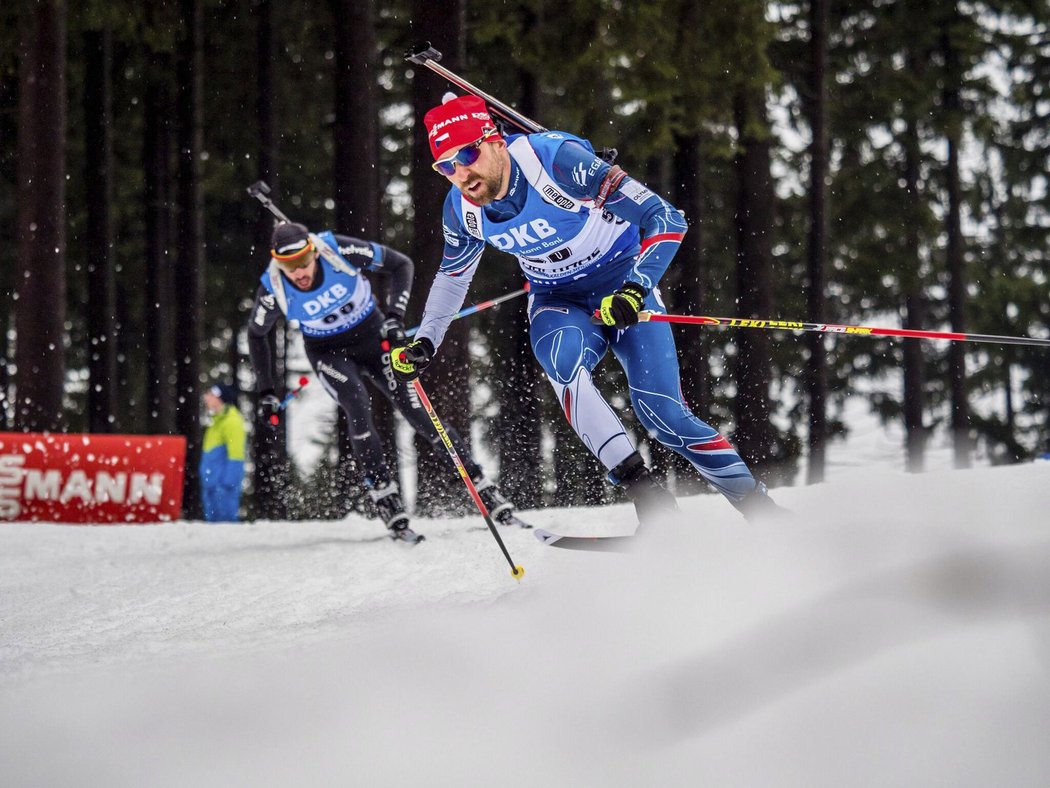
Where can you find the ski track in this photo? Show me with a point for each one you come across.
(895, 631)
(127, 594)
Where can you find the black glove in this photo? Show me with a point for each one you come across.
(393, 330)
(268, 408)
(410, 360)
(621, 309)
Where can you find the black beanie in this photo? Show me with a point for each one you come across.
(289, 238)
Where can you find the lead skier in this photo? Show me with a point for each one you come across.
(344, 331)
(590, 239)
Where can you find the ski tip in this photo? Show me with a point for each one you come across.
(602, 544)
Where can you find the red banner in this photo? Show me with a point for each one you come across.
(71, 478)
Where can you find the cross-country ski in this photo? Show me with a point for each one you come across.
(591, 543)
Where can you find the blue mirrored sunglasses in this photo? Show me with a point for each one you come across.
(465, 156)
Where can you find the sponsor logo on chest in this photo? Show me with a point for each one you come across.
(524, 235)
(557, 197)
(364, 251)
(330, 298)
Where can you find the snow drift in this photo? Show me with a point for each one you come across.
(896, 631)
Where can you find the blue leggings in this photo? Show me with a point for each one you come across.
(568, 346)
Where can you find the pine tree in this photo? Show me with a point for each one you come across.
(41, 286)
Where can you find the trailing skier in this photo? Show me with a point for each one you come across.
(347, 336)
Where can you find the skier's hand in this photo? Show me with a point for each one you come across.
(408, 361)
(621, 309)
(268, 408)
(393, 330)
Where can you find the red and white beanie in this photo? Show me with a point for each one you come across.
(459, 121)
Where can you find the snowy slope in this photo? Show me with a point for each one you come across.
(897, 632)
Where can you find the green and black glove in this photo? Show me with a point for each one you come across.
(621, 309)
(411, 359)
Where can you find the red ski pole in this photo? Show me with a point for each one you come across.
(827, 328)
(480, 306)
(516, 571)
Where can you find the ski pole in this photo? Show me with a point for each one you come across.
(827, 328)
(275, 418)
(470, 310)
(516, 571)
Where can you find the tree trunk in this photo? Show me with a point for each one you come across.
(41, 286)
(754, 227)
(816, 364)
(356, 177)
(191, 248)
(271, 475)
(447, 381)
(5, 378)
(98, 242)
(688, 274)
(1009, 407)
(914, 306)
(265, 119)
(160, 282)
(960, 420)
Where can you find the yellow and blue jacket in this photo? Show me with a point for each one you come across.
(222, 454)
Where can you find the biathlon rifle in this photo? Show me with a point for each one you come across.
(423, 54)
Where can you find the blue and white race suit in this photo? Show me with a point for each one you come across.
(575, 250)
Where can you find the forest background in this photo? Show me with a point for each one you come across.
(880, 162)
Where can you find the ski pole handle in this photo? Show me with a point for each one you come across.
(303, 381)
(275, 418)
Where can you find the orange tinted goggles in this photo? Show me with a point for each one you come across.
(297, 260)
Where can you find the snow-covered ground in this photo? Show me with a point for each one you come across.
(896, 632)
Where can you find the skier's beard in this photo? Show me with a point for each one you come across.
(489, 188)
